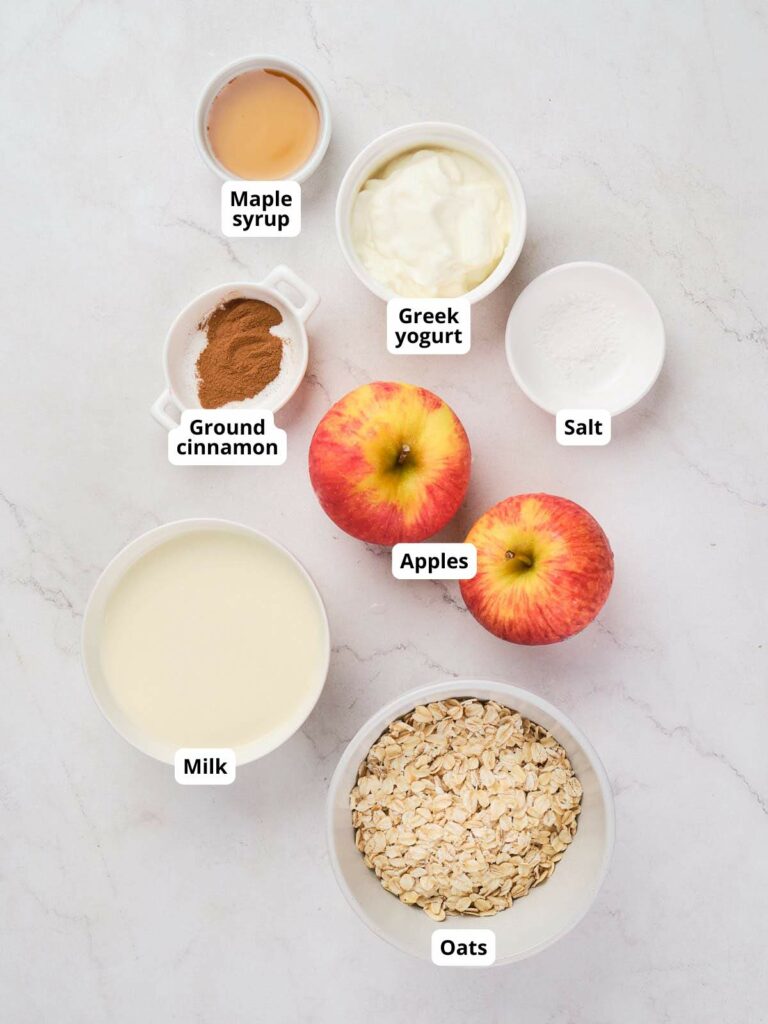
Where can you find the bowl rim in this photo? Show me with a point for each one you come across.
(253, 62)
(215, 295)
(608, 268)
(507, 692)
(254, 750)
(468, 140)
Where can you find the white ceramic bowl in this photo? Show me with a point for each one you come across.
(182, 343)
(537, 920)
(621, 376)
(255, 63)
(411, 136)
(94, 617)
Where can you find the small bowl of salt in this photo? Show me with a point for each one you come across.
(585, 336)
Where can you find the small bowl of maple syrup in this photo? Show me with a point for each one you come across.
(263, 118)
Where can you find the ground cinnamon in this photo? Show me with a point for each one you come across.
(242, 356)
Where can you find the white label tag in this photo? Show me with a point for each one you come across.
(261, 209)
(583, 426)
(434, 561)
(204, 766)
(428, 327)
(227, 437)
(463, 947)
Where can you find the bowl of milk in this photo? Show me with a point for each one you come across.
(205, 633)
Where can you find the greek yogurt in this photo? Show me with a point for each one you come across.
(433, 222)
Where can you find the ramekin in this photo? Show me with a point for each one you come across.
(608, 388)
(180, 393)
(403, 140)
(254, 63)
(535, 921)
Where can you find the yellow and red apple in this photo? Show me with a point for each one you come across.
(390, 463)
(544, 569)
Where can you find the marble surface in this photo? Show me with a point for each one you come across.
(638, 133)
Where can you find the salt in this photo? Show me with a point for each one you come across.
(584, 336)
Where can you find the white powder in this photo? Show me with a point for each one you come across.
(585, 336)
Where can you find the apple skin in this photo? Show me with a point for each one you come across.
(390, 463)
(562, 589)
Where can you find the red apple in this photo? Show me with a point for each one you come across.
(390, 463)
(544, 569)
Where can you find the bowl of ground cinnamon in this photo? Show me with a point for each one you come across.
(239, 345)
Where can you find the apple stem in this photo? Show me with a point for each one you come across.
(405, 451)
(523, 558)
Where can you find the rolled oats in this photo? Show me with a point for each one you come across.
(463, 806)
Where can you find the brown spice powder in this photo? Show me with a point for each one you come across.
(242, 356)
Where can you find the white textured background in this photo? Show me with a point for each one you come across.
(638, 130)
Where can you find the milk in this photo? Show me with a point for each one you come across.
(213, 639)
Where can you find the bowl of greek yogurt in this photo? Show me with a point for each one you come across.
(431, 210)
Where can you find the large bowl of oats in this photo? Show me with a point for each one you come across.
(470, 804)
